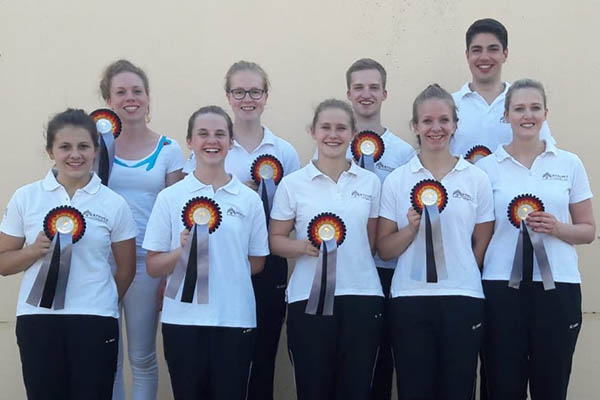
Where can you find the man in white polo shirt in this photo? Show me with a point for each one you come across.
(481, 102)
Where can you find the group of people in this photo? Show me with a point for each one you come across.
(395, 250)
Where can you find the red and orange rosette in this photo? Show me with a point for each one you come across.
(520, 207)
(107, 121)
(367, 143)
(326, 226)
(427, 193)
(266, 166)
(476, 153)
(201, 210)
(64, 219)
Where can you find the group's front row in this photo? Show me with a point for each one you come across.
(517, 215)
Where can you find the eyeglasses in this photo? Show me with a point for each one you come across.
(255, 94)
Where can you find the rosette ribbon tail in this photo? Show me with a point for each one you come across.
(529, 244)
(266, 190)
(430, 234)
(50, 285)
(367, 162)
(106, 157)
(322, 292)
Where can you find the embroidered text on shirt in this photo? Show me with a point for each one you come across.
(555, 177)
(100, 218)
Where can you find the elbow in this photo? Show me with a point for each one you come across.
(151, 268)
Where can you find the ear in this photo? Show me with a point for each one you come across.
(109, 102)
(505, 51)
(348, 94)
(50, 154)
(188, 140)
(384, 94)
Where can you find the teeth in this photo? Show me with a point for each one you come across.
(248, 108)
(366, 103)
(131, 108)
(211, 150)
(528, 125)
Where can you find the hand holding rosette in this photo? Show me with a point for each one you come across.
(267, 172)
(201, 216)
(108, 125)
(367, 148)
(326, 232)
(63, 225)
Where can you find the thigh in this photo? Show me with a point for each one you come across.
(414, 346)
(556, 316)
(92, 346)
(312, 346)
(230, 362)
(359, 331)
(41, 346)
(459, 340)
(506, 341)
(186, 352)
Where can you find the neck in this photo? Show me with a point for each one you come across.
(525, 150)
(488, 90)
(212, 174)
(372, 123)
(72, 185)
(439, 163)
(248, 134)
(332, 167)
(134, 130)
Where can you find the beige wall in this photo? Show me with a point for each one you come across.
(52, 53)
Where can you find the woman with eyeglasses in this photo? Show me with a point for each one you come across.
(247, 91)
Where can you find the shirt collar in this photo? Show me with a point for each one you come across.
(50, 183)
(466, 89)
(313, 171)
(502, 154)
(416, 165)
(268, 138)
(193, 184)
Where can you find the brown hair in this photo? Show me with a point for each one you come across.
(116, 68)
(523, 84)
(209, 110)
(364, 64)
(246, 66)
(71, 117)
(433, 91)
(334, 103)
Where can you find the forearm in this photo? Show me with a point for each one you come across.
(123, 278)
(162, 263)
(257, 264)
(15, 261)
(396, 243)
(285, 247)
(582, 233)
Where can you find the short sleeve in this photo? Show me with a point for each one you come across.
(259, 241)
(375, 203)
(190, 164)
(485, 200)
(580, 185)
(158, 231)
(388, 199)
(124, 226)
(174, 156)
(12, 220)
(283, 208)
(292, 161)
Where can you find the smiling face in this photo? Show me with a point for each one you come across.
(435, 125)
(247, 108)
(366, 92)
(210, 139)
(73, 153)
(526, 113)
(485, 57)
(128, 97)
(333, 132)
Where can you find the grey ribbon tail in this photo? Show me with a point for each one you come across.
(516, 274)
(64, 268)
(331, 246)
(315, 291)
(35, 295)
(178, 273)
(367, 162)
(202, 258)
(438, 244)
(542, 258)
(417, 272)
(270, 185)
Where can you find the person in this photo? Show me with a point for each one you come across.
(366, 90)
(436, 325)
(531, 332)
(481, 102)
(333, 353)
(208, 345)
(68, 347)
(247, 90)
(145, 163)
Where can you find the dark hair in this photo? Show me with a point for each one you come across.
(246, 66)
(433, 91)
(334, 103)
(523, 84)
(116, 68)
(364, 64)
(487, 25)
(209, 110)
(71, 117)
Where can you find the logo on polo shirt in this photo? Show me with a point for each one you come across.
(383, 167)
(357, 194)
(97, 217)
(235, 213)
(460, 195)
(555, 177)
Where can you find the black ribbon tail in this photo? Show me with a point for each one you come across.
(429, 251)
(191, 273)
(52, 278)
(104, 163)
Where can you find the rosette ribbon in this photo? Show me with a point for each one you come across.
(108, 125)
(367, 148)
(529, 244)
(63, 225)
(267, 172)
(327, 232)
(201, 216)
(429, 198)
(476, 153)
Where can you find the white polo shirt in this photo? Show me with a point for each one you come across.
(470, 202)
(91, 289)
(556, 177)
(239, 161)
(480, 123)
(139, 181)
(242, 233)
(354, 198)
